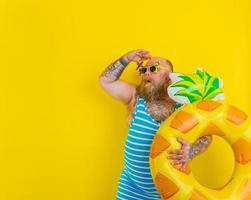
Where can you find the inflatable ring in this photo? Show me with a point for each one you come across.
(222, 171)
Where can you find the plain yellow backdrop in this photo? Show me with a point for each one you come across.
(61, 135)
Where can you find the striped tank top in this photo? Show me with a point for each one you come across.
(136, 181)
(137, 148)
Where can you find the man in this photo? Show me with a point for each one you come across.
(149, 105)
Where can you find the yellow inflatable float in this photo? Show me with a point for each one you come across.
(223, 170)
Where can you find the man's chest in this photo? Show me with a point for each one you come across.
(160, 110)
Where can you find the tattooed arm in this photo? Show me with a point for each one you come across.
(188, 151)
(199, 146)
(114, 71)
(109, 79)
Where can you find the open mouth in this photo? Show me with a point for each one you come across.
(148, 80)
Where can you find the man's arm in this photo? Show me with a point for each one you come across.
(109, 79)
(113, 71)
(199, 146)
(188, 151)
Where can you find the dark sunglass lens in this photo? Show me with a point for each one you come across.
(152, 68)
(142, 70)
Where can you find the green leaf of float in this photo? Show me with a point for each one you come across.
(216, 83)
(214, 94)
(206, 84)
(184, 84)
(213, 86)
(198, 86)
(187, 78)
(200, 74)
(191, 96)
(189, 88)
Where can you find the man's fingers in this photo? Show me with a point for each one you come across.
(178, 157)
(146, 56)
(178, 162)
(178, 152)
(182, 141)
(141, 51)
(183, 166)
(140, 55)
(137, 59)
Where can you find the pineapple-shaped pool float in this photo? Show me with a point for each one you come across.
(223, 170)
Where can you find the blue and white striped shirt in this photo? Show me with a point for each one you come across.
(136, 181)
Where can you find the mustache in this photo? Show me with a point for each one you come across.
(147, 80)
(153, 92)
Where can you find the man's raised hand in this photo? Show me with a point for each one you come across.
(137, 55)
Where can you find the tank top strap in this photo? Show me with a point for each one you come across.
(141, 102)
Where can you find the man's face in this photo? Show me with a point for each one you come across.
(159, 77)
(155, 83)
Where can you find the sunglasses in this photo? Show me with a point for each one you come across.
(153, 68)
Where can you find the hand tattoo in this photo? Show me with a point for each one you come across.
(199, 146)
(114, 71)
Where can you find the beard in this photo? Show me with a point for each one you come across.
(150, 91)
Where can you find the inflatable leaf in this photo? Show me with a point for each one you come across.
(198, 86)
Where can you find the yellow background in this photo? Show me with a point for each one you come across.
(61, 135)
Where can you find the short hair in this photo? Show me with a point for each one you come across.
(170, 64)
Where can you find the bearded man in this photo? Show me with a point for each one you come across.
(149, 105)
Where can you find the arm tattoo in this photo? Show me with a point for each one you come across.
(114, 71)
(200, 145)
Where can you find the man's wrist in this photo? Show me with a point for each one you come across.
(193, 151)
(124, 61)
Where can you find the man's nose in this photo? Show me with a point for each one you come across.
(148, 73)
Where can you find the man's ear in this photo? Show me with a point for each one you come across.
(168, 80)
